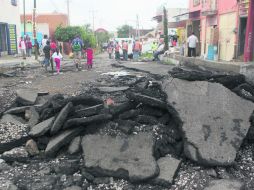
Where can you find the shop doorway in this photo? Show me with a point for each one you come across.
(242, 32)
(3, 38)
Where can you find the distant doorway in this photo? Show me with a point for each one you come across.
(242, 32)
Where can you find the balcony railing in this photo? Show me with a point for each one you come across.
(209, 8)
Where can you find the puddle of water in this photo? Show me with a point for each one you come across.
(117, 74)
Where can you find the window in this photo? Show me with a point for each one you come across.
(196, 2)
(14, 2)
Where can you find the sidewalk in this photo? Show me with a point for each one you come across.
(10, 61)
(247, 69)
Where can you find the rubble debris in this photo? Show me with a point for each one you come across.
(60, 140)
(61, 118)
(209, 111)
(41, 128)
(18, 154)
(90, 111)
(168, 168)
(17, 110)
(33, 117)
(109, 89)
(8, 118)
(31, 148)
(224, 184)
(75, 145)
(27, 97)
(77, 122)
(230, 81)
(130, 158)
(147, 100)
(12, 135)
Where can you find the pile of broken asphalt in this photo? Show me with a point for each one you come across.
(190, 130)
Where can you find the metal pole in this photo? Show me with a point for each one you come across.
(24, 15)
(68, 11)
(34, 32)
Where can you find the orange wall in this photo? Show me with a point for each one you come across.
(53, 20)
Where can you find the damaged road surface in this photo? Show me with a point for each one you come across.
(184, 129)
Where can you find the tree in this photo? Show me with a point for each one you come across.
(103, 37)
(165, 25)
(66, 34)
(124, 31)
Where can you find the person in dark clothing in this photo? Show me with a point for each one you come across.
(46, 51)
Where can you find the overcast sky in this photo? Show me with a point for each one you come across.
(109, 14)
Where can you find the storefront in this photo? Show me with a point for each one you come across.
(8, 39)
(9, 27)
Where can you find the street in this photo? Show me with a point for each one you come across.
(54, 159)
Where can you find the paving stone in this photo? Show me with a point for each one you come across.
(214, 120)
(120, 157)
(58, 141)
(224, 184)
(147, 100)
(168, 168)
(27, 97)
(75, 145)
(61, 119)
(17, 110)
(41, 128)
(86, 121)
(90, 111)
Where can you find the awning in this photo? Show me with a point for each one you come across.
(192, 14)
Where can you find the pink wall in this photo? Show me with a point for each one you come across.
(225, 6)
(194, 8)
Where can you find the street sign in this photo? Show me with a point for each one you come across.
(12, 39)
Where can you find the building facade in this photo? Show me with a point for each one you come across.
(221, 26)
(9, 26)
(47, 22)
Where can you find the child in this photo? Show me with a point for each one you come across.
(57, 56)
(89, 56)
(28, 47)
(22, 47)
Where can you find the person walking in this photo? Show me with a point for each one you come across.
(77, 45)
(110, 50)
(89, 57)
(125, 48)
(57, 56)
(29, 47)
(192, 42)
(22, 47)
(117, 51)
(46, 51)
(137, 48)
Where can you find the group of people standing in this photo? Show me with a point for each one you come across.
(25, 46)
(127, 47)
(53, 53)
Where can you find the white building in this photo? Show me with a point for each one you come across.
(9, 26)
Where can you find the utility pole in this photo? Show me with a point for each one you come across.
(24, 15)
(34, 32)
(249, 37)
(137, 28)
(93, 18)
(68, 11)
